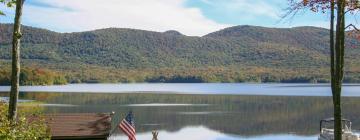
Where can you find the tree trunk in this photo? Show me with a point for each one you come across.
(15, 72)
(332, 47)
(339, 67)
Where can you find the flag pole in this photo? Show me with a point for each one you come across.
(112, 131)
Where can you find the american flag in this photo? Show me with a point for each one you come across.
(127, 125)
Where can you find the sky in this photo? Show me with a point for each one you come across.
(190, 17)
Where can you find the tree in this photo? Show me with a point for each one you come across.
(8, 3)
(337, 44)
(15, 72)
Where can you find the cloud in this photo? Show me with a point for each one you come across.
(155, 15)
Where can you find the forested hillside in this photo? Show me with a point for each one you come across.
(235, 54)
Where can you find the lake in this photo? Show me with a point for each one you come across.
(198, 88)
(204, 111)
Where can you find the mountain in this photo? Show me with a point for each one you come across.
(235, 54)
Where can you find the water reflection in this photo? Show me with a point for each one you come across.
(198, 88)
(221, 117)
(203, 133)
(162, 104)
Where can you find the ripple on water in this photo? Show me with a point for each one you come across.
(202, 113)
(161, 104)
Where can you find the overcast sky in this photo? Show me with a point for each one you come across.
(190, 17)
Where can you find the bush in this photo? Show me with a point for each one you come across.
(33, 76)
(24, 128)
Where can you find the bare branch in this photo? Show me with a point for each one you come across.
(353, 26)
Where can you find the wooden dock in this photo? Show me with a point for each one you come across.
(89, 126)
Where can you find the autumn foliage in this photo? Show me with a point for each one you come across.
(33, 76)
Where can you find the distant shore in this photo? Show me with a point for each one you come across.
(275, 89)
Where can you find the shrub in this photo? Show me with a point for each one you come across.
(29, 125)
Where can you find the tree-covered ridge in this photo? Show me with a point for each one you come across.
(235, 54)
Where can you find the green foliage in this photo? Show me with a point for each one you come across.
(236, 54)
(40, 77)
(31, 76)
(24, 128)
(8, 3)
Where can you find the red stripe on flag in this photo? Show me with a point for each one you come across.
(129, 134)
(128, 129)
(130, 126)
(125, 130)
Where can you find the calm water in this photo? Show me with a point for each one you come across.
(200, 88)
(215, 112)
